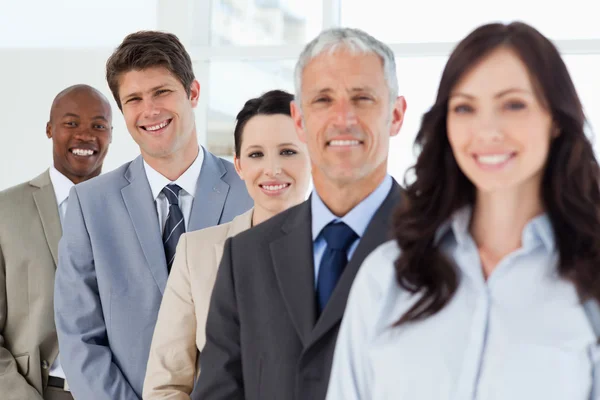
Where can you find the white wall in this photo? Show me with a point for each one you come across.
(30, 80)
(46, 46)
(73, 23)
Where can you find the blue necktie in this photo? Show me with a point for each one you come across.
(339, 238)
(174, 226)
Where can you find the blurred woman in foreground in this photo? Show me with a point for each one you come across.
(497, 241)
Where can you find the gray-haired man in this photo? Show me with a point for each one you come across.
(282, 286)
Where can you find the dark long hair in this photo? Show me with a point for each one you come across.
(570, 184)
(269, 103)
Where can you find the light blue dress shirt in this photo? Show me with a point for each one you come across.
(522, 334)
(358, 219)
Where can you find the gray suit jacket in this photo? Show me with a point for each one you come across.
(263, 341)
(29, 234)
(112, 272)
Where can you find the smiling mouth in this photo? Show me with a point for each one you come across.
(157, 127)
(494, 160)
(82, 152)
(343, 143)
(275, 188)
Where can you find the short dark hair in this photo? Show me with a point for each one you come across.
(271, 102)
(570, 190)
(147, 49)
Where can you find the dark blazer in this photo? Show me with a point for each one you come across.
(262, 338)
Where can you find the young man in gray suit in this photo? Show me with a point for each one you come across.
(31, 214)
(282, 286)
(122, 228)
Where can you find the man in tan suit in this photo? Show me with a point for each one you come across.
(31, 213)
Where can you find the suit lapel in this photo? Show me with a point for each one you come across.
(142, 211)
(377, 232)
(293, 263)
(211, 193)
(45, 201)
(239, 224)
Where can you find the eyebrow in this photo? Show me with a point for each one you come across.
(77, 116)
(361, 89)
(257, 146)
(254, 147)
(354, 89)
(137, 94)
(497, 95)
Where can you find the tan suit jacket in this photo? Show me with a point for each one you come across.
(29, 233)
(179, 332)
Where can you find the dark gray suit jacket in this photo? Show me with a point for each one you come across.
(262, 338)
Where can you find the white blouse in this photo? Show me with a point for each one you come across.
(522, 334)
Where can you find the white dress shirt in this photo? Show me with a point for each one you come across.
(62, 185)
(522, 334)
(187, 182)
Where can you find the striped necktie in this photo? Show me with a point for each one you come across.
(174, 226)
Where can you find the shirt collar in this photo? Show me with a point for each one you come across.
(538, 230)
(61, 184)
(187, 181)
(358, 218)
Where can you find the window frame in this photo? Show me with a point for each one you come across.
(197, 14)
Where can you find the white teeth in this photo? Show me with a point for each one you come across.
(82, 152)
(276, 187)
(157, 127)
(344, 143)
(493, 159)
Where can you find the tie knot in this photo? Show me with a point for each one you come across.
(339, 236)
(172, 193)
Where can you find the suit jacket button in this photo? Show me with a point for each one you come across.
(45, 364)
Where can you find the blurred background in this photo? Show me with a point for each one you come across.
(242, 48)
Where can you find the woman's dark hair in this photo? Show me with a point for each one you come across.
(272, 102)
(570, 184)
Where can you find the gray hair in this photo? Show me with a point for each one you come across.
(355, 41)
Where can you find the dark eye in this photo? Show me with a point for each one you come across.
(162, 91)
(322, 100)
(288, 152)
(71, 124)
(99, 126)
(515, 105)
(133, 99)
(362, 98)
(463, 109)
(256, 154)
